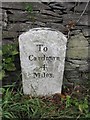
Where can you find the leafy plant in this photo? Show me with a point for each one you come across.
(82, 105)
(68, 101)
(9, 51)
(29, 9)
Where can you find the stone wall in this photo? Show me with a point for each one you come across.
(58, 16)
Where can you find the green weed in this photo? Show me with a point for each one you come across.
(17, 105)
(9, 51)
(29, 9)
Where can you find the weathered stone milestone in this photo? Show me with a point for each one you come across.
(42, 55)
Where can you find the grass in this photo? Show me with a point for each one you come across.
(17, 105)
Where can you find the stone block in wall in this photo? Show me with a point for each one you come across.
(74, 17)
(77, 77)
(39, 6)
(77, 41)
(23, 5)
(4, 19)
(72, 76)
(77, 53)
(80, 7)
(77, 47)
(4, 15)
(70, 16)
(75, 32)
(58, 12)
(45, 18)
(8, 41)
(23, 27)
(39, 24)
(86, 32)
(56, 26)
(8, 34)
(57, 6)
(19, 27)
(13, 5)
(19, 16)
(84, 21)
(49, 13)
(23, 16)
(69, 6)
(81, 65)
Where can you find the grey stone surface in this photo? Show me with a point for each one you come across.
(4, 19)
(86, 32)
(77, 47)
(19, 27)
(78, 53)
(20, 16)
(69, 6)
(58, 12)
(23, 27)
(57, 6)
(74, 64)
(39, 6)
(49, 12)
(75, 32)
(84, 21)
(16, 5)
(57, 26)
(74, 17)
(80, 7)
(78, 41)
(7, 34)
(44, 18)
(42, 54)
